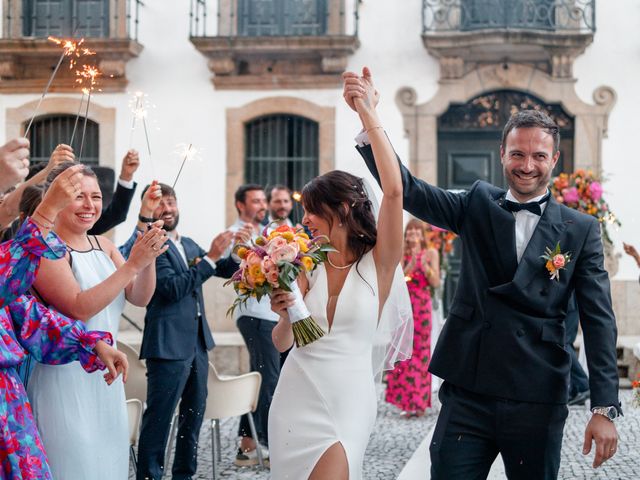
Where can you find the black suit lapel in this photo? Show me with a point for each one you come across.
(503, 227)
(548, 233)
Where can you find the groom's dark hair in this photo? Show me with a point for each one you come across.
(532, 119)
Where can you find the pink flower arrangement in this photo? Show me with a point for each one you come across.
(583, 192)
(274, 261)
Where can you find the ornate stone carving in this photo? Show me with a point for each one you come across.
(407, 97)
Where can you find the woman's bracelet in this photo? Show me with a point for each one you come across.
(373, 128)
(45, 218)
(46, 224)
(41, 225)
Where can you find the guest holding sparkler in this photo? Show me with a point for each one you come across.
(175, 343)
(116, 212)
(28, 326)
(9, 208)
(90, 285)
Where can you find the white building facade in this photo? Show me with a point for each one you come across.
(449, 72)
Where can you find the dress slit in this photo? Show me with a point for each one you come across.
(339, 444)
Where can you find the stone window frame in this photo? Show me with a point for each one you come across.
(237, 118)
(105, 117)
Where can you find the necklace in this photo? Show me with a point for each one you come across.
(336, 266)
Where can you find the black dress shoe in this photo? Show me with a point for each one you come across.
(579, 398)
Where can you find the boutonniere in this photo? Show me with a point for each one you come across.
(556, 261)
(194, 261)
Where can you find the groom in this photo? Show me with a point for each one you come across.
(501, 351)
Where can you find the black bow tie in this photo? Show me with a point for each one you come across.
(533, 207)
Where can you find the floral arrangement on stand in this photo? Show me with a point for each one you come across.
(442, 240)
(273, 261)
(582, 191)
(636, 392)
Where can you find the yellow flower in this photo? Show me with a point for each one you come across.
(303, 245)
(307, 262)
(242, 252)
(256, 275)
(261, 241)
(303, 235)
(288, 236)
(550, 266)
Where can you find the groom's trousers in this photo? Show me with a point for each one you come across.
(472, 429)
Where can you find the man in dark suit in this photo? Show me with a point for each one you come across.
(501, 351)
(116, 212)
(175, 343)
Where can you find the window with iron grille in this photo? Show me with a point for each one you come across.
(66, 18)
(281, 149)
(526, 14)
(48, 131)
(258, 18)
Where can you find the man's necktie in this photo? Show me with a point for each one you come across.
(533, 207)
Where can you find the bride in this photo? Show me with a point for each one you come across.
(324, 407)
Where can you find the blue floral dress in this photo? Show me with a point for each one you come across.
(27, 326)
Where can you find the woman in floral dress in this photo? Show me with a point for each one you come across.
(409, 384)
(28, 326)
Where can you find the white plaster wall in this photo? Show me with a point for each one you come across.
(614, 60)
(189, 110)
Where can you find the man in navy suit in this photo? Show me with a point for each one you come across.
(501, 351)
(175, 344)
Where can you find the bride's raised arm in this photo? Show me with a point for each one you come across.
(388, 250)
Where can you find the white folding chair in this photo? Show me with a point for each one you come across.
(231, 397)
(134, 411)
(136, 386)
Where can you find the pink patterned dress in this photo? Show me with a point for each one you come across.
(28, 326)
(409, 384)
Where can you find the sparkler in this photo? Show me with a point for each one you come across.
(188, 152)
(87, 74)
(70, 49)
(139, 107)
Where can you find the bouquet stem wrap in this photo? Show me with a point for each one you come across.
(305, 328)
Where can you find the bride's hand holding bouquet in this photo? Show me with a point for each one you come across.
(270, 264)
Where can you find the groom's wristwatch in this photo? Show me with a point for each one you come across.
(611, 413)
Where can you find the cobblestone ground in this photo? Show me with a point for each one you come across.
(395, 439)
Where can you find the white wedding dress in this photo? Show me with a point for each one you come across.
(82, 420)
(326, 392)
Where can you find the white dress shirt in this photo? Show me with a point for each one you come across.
(526, 223)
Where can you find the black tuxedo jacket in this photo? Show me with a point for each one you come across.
(505, 333)
(116, 211)
(171, 323)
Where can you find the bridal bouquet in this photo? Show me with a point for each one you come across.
(583, 192)
(274, 261)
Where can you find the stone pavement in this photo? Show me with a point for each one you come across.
(395, 439)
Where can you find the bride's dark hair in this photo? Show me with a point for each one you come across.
(342, 195)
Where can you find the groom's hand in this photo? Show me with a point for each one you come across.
(603, 432)
(356, 86)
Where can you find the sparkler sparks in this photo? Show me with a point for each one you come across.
(70, 49)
